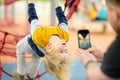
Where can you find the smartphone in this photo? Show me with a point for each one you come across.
(84, 39)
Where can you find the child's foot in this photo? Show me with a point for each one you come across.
(30, 78)
(17, 76)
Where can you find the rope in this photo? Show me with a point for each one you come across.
(16, 39)
(6, 73)
(2, 70)
(66, 4)
(72, 7)
(40, 75)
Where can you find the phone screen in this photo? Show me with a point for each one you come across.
(84, 39)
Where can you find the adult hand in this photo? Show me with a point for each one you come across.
(97, 53)
(85, 56)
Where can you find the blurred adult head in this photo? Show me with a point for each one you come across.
(113, 14)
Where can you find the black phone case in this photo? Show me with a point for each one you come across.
(84, 43)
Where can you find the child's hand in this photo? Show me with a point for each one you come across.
(57, 3)
(30, 1)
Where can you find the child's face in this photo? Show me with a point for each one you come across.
(57, 49)
(61, 46)
(58, 44)
(57, 52)
(61, 49)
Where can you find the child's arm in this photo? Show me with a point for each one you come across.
(61, 17)
(31, 11)
(33, 18)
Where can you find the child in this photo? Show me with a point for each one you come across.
(47, 42)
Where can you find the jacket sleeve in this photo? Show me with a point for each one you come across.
(31, 12)
(60, 15)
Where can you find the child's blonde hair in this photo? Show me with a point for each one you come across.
(56, 65)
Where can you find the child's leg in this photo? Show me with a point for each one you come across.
(17, 76)
(32, 72)
(21, 68)
(21, 49)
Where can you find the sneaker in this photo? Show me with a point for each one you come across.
(31, 78)
(17, 76)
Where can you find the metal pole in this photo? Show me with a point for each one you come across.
(0, 13)
(53, 16)
(13, 13)
(1, 4)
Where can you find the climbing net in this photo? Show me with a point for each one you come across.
(12, 53)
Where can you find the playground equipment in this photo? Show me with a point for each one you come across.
(72, 4)
(16, 39)
(7, 2)
(9, 11)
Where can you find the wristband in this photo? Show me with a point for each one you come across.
(89, 62)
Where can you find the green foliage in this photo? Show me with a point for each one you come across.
(38, 0)
(62, 1)
(1, 1)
